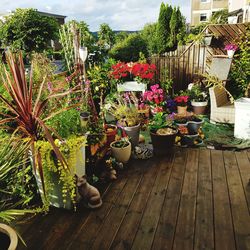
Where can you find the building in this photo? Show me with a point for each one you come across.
(202, 10)
(239, 11)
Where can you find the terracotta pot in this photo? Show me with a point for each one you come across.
(182, 110)
(111, 131)
(162, 144)
(8, 237)
(121, 154)
(199, 107)
(133, 133)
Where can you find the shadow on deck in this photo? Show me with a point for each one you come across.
(194, 199)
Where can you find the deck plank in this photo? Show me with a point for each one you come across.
(223, 225)
(84, 236)
(204, 232)
(145, 235)
(127, 231)
(243, 163)
(112, 222)
(167, 223)
(241, 218)
(184, 236)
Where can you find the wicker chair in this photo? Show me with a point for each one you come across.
(221, 108)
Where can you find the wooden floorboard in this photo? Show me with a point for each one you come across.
(167, 222)
(241, 218)
(191, 199)
(223, 225)
(184, 235)
(204, 229)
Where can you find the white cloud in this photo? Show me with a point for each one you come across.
(119, 14)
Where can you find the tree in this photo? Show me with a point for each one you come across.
(106, 37)
(120, 36)
(27, 30)
(149, 34)
(163, 28)
(129, 49)
(219, 17)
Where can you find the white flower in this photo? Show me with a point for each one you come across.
(190, 85)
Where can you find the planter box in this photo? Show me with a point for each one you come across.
(54, 195)
(242, 118)
(132, 86)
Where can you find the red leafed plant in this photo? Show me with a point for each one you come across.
(27, 111)
(141, 72)
(181, 100)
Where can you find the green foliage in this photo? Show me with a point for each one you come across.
(27, 30)
(219, 17)
(120, 36)
(166, 81)
(149, 34)
(129, 49)
(100, 81)
(17, 184)
(42, 68)
(106, 37)
(171, 28)
(66, 123)
(240, 70)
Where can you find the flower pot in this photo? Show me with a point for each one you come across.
(230, 53)
(111, 131)
(182, 110)
(84, 116)
(193, 126)
(162, 144)
(189, 139)
(133, 133)
(131, 86)
(199, 107)
(207, 40)
(121, 154)
(8, 237)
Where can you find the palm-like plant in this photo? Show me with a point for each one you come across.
(28, 112)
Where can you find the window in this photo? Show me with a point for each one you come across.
(205, 1)
(203, 17)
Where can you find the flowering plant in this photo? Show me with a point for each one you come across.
(141, 72)
(181, 100)
(233, 47)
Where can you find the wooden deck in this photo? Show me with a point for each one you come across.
(194, 199)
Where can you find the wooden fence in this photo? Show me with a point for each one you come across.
(181, 65)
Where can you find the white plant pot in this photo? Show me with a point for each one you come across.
(131, 86)
(199, 104)
(133, 134)
(11, 233)
(230, 53)
(54, 195)
(121, 154)
(199, 107)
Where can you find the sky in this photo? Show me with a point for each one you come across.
(119, 14)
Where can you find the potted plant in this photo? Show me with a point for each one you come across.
(198, 97)
(125, 109)
(163, 133)
(29, 114)
(154, 98)
(132, 76)
(181, 103)
(111, 131)
(121, 150)
(231, 48)
(193, 125)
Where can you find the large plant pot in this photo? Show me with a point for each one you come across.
(111, 131)
(54, 193)
(193, 126)
(121, 154)
(162, 144)
(199, 107)
(8, 237)
(133, 133)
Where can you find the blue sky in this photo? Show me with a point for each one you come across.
(119, 14)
